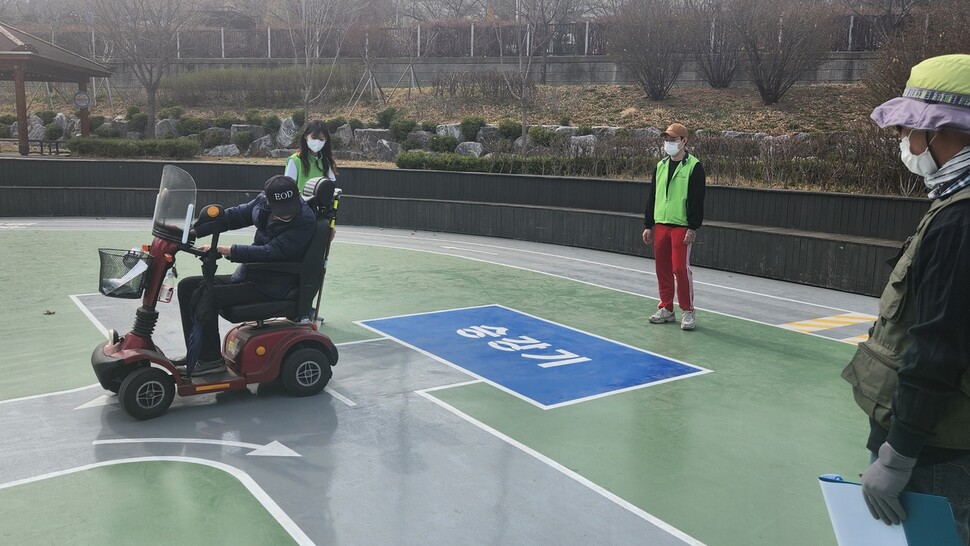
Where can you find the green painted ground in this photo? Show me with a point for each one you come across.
(729, 457)
(137, 503)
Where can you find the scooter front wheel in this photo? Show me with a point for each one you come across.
(146, 393)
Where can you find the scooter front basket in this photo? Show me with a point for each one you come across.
(123, 272)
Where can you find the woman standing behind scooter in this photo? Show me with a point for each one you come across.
(315, 157)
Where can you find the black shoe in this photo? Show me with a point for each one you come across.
(201, 367)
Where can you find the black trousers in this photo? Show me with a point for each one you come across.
(222, 293)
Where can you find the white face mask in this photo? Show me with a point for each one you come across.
(314, 144)
(921, 165)
(671, 148)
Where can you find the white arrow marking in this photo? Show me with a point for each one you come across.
(272, 449)
(103, 400)
(470, 250)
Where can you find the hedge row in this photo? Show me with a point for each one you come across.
(113, 147)
(592, 166)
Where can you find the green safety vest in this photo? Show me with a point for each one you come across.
(872, 370)
(670, 203)
(318, 168)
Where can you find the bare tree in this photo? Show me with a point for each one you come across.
(716, 42)
(938, 29)
(542, 18)
(886, 16)
(783, 40)
(519, 82)
(437, 10)
(317, 29)
(144, 34)
(7, 9)
(649, 38)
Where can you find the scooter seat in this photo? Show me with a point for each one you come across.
(259, 311)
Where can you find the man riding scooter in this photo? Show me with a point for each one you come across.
(284, 227)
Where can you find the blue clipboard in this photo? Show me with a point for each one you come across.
(929, 519)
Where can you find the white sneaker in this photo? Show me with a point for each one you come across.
(661, 316)
(688, 321)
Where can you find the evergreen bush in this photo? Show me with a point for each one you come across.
(401, 127)
(121, 148)
(470, 126)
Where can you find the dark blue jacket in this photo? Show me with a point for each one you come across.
(275, 241)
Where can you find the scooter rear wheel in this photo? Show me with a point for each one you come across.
(305, 372)
(146, 393)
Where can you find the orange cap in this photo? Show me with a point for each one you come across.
(676, 130)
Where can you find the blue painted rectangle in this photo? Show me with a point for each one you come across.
(546, 363)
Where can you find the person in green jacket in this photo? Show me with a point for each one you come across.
(315, 158)
(674, 213)
(912, 376)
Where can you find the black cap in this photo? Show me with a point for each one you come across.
(283, 196)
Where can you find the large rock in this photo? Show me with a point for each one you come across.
(470, 148)
(121, 124)
(740, 134)
(387, 150)
(567, 130)
(280, 153)
(367, 140)
(423, 138)
(72, 127)
(583, 145)
(602, 132)
(489, 136)
(167, 128)
(35, 128)
(646, 133)
(256, 130)
(347, 155)
(288, 129)
(223, 151)
(452, 130)
(261, 147)
(218, 135)
(61, 121)
(343, 137)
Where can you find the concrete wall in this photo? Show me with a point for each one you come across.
(838, 241)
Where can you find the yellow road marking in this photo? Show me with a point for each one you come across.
(827, 323)
(856, 339)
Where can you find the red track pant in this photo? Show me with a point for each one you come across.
(672, 260)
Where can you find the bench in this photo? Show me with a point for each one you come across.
(53, 146)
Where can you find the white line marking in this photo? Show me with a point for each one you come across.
(371, 340)
(700, 370)
(570, 473)
(272, 449)
(612, 266)
(341, 397)
(470, 250)
(453, 385)
(84, 309)
(248, 482)
(35, 396)
(588, 283)
(103, 400)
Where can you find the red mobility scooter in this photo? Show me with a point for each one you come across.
(276, 340)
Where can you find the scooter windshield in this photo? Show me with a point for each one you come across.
(175, 204)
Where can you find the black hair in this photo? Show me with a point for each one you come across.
(316, 127)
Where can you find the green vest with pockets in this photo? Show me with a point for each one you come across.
(318, 167)
(872, 370)
(670, 203)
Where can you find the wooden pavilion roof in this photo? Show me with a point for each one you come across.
(43, 60)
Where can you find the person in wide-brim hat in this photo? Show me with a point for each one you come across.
(912, 376)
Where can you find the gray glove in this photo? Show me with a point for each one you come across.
(882, 483)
